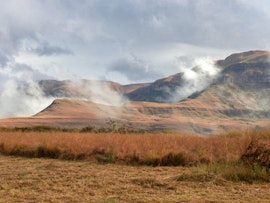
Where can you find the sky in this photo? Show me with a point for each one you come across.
(126, 41)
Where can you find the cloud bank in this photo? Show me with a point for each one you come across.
(92, 39)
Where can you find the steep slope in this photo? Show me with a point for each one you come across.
(242, 90)
(242, 85)
(158, 91)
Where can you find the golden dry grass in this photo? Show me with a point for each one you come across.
(213, 174)
(150, 149)
(50, 180)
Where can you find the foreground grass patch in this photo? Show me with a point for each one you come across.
(235, 158)
(239, 172)
(233, 172)
(52, 180)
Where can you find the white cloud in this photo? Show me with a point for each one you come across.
(161, 34)
(98, 32)
(98, 92)
(20, 94)
(196, 79)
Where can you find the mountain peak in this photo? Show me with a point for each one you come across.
(256, 56)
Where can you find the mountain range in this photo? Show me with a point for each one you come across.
(234, 95)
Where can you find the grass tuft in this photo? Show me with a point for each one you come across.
(240, 172)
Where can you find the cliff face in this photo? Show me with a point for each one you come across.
(242, 89)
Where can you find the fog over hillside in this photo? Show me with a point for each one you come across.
(128, 42)
(23, 93)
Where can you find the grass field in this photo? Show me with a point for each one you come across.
(143, 149)
(49, 180)
(55, 166)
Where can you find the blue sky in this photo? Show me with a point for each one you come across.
(127, 41)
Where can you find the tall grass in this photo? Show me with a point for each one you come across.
(237, 156)
(150, 149)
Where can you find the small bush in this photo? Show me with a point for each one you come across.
(256, 154)
(179, 159)
(87, 129)
(44, 151)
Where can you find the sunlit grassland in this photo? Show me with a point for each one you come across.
(237, 156)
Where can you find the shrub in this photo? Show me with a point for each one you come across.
(257, 154)
(179, 159)
(87, 129)
(45, 151)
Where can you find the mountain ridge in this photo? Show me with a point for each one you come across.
(239, 95)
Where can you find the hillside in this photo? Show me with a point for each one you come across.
(237, 98)
(248, 70)
(158, 91)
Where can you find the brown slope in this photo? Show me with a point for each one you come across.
(191, 116)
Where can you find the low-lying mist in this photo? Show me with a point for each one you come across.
(21, 94)
(203, 73)
(99, 92)
(21, 98)
(25, 98)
